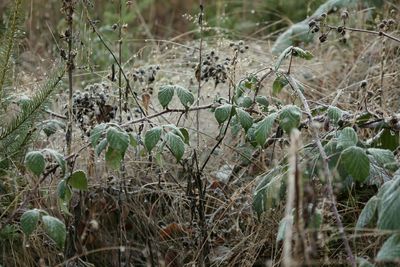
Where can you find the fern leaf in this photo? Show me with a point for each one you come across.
(8, 43)
(15, 132)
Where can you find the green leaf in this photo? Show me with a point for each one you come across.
(298, 52)
(78, 180)
(347, 137)
(185, 134)
(175, 130)
(389, 215)
(50, 127)
(113, 158)
(63, 191)
(334, 114)
(35, 162)
(356, 163)
(244, 118)
(262, 100)
(282, 56)
(186, 97)
(55, 229)
(101, 146)
(264, 129)
(165, 95)
(384, 158)
(117, 139)
(390, 250)
(176, 145)
(289, 118)
(270, 190)
(245, 101)
(152, 137)
(29, 221)
(96, 133)
(388, 140)
(368, 213)
(58, 157)
(278, 84)
(223, 112)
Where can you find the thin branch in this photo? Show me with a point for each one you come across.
(379, 33)
(177, 110)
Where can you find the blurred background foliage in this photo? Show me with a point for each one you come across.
(154, 21)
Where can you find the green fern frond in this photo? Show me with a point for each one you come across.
(14, 134)
(8, 42)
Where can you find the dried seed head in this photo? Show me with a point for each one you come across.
(315, 29)
(363, 84)
(323, 37)
(312, 23)
(339, 29)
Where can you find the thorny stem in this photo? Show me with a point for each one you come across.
(69, 7)
(380, 33)
(199, 70)
(120, 59)
(327, 171)
(290, 62)
(166, 111)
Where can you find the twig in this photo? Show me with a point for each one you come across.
(199, 70)
(166, 111)
(380, 33)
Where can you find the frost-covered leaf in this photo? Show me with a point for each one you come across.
(101, 146)
(96, 133)
(347, 137)
(270, 190)
(152, 137)
(186, 97)
(368, 213)
(264, 128)
(390, 250)
(176, 145)
(384, 158)
(223, 112)
(55, 229)
(29, 221)
(78, 180)
(244, 118)
(304, 54)
(334, 114)
(278, 84)
(289, 118)
(35, 162)
(117, 139)
(165, 95)
(356, 162)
